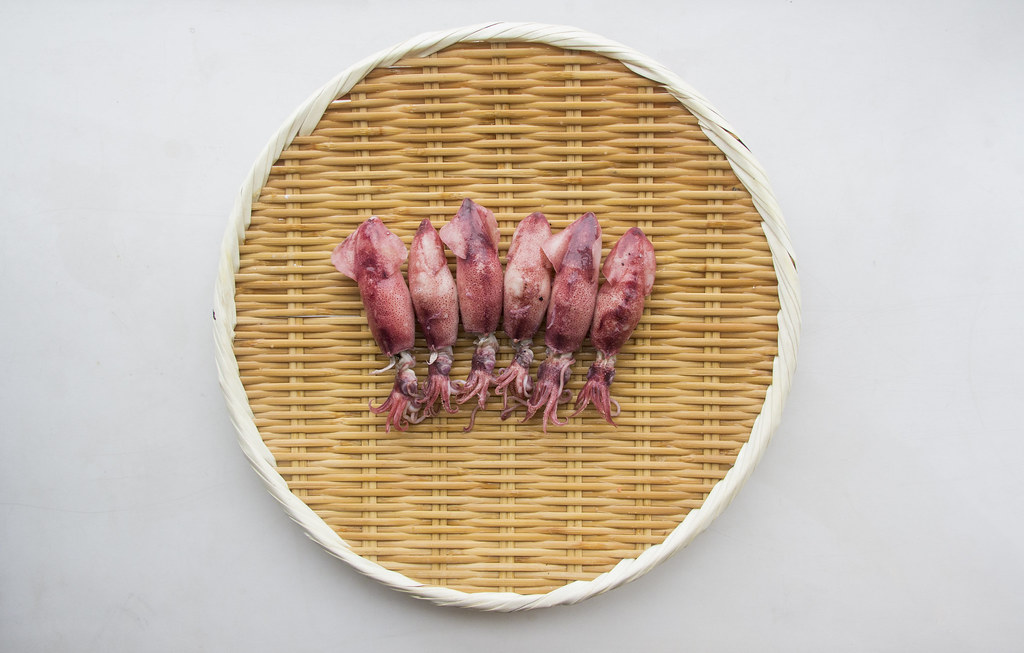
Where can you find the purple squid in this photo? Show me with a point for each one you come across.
(473, 237)
(575, 254)
(628, 279)
(373, 257)
(437, 308)
(527, 294)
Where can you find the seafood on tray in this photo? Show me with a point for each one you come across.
(473, 237)
(373, 257)
(436, 302)
(628, 279)
(480, 293)
(527, 294)
(575, 254)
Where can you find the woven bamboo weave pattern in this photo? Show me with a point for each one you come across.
(516, 127)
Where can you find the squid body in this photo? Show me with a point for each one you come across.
(628, 279)
(575, 255)
(527, 295)
(436, 302)
(473, 237)
(373, 257)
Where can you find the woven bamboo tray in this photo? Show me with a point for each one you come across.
(518, 117)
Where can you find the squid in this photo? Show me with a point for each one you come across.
(373, 257)
(628, 279)
(575, 254)
(527, 294)
(436, 303)
(473, 237)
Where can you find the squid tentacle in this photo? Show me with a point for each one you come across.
(439, 385)
(550, 390)
(596, 389)
(403, 404)
(481, 376)
(516, 377)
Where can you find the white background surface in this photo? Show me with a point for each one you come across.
(885, 515)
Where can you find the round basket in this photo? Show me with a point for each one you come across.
(518, 117)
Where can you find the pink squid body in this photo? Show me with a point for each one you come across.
(433, 288)
(527, 278)
(373, 256)
(527, 295)
(629, 277)
(473, 237)
(575, 254)
(436, 301)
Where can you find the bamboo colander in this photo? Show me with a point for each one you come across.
(518, 117)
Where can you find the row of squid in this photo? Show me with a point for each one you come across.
(524, 294)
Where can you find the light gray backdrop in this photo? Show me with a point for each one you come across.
(885, 515)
